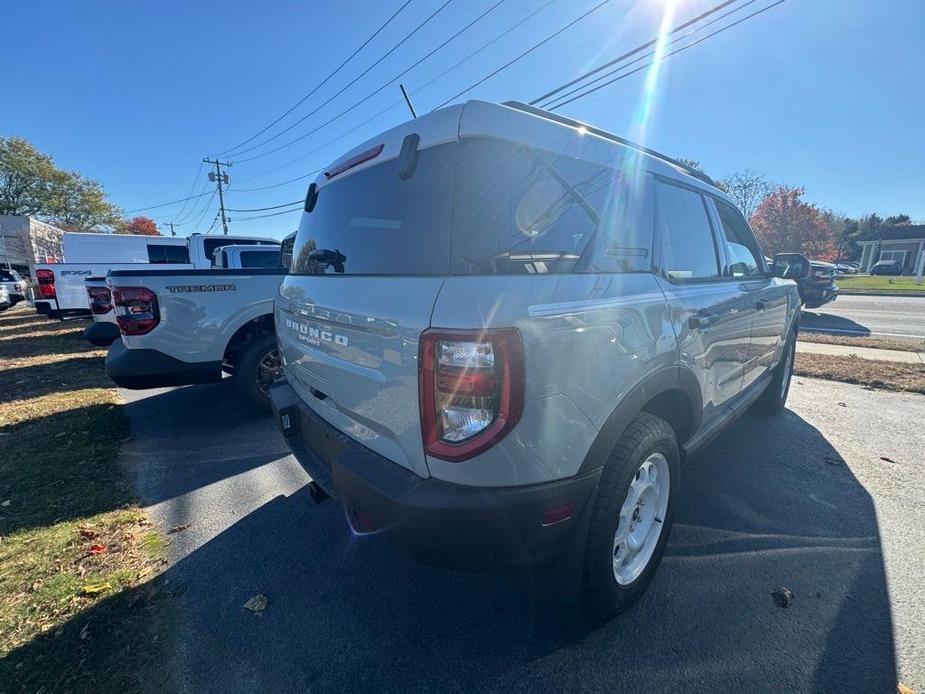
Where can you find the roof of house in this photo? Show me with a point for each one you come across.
(898, 233)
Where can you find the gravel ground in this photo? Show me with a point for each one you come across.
(803, 500)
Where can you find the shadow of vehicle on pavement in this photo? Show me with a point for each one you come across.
(762, 508)
(827, 322)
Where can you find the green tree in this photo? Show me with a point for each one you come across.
(26, 178)
(898, 220)
(79, 204)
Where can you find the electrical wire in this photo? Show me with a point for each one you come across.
(633, 52)
(263, 209)
(524, 54)
(165, 204)
(322, 82)
(205, 209)
(273, 214)
(677, 39)
(348, 85)
(191, 189)
(666, 56)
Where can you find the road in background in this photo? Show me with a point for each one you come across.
(877, 316)
(826, 499)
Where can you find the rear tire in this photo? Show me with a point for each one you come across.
(255, 368)
(631, 518)
(774, 397)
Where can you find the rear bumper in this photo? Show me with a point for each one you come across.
(473, 528)
(138, 369)
(42, 307)
(101, 334)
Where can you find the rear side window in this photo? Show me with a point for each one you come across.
(688, 249)
(209, 245)
(372, 221)
(523, 210)
(260, 259)
(164, 253)
(742, 254)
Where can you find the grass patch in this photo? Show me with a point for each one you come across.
(880, 282)
(77, 555)
(903, 345)
(865, 372)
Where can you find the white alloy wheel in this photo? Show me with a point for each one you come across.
(642, 517)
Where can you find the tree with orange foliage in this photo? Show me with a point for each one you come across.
(784, 222)
(143, 226)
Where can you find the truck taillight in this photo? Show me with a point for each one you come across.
(136, 310)
(471, 389)
(100, 299)
(46, 280)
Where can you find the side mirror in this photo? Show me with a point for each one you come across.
(791, 266)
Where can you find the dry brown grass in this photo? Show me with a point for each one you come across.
(910, 345)
(873, 374)
(68, 609)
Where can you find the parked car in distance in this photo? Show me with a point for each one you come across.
(819, 288)
(495, 358)
(185, 326)
(847, 269)
(5, 301)
(887, 267)
(61, 292)
(14, 283)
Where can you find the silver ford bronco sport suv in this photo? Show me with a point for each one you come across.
(503, 332)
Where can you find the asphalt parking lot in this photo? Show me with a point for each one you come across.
(802, 500)
(878, 316)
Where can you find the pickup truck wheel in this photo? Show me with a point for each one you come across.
(256, 368)
(773, 399)
(631, 518)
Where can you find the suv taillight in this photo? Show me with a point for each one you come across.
(471, 389)
(100, 299)
(46, 280)
(136, 310)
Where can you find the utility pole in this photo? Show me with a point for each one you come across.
(172, 225)
(221, 179)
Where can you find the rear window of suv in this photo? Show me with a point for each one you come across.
(480, 207)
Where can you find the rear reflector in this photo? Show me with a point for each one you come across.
(46, 280)
(100, 300)
(471, 389)
(136, 310)
(356, 160)
(558, 514)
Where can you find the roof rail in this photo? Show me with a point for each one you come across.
(520, 106)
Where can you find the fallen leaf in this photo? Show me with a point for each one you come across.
(6, 503)
(256, 604)
(886, 460)
(97, 549)
(178, 528)
(841, 404)
(782, 596)
(904, 689)
(96, 588)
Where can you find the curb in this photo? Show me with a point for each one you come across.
(877, 292)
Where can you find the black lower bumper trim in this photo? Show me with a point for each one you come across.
(138, 369)
(473, 528)
(101, 334)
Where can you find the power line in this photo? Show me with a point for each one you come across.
(633, 52)
(379, 89)
(191, 189)
(165, 204)
(667, 55)
(348, 85)
(263, 209)
(220, 179)
(677, 39)
(273, 214)
(204, 210)
(524, 54)
(324, 81)
(277, 185)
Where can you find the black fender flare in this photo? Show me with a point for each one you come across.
(675, 378)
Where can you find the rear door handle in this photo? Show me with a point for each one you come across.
(702, 320)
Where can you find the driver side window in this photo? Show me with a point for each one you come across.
(743, 258)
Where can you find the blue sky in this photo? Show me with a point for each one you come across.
(826, 94)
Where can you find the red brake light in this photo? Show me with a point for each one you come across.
(100, 299)
(356, 160)
(46, 280)
(471, 389)
(136, 310)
